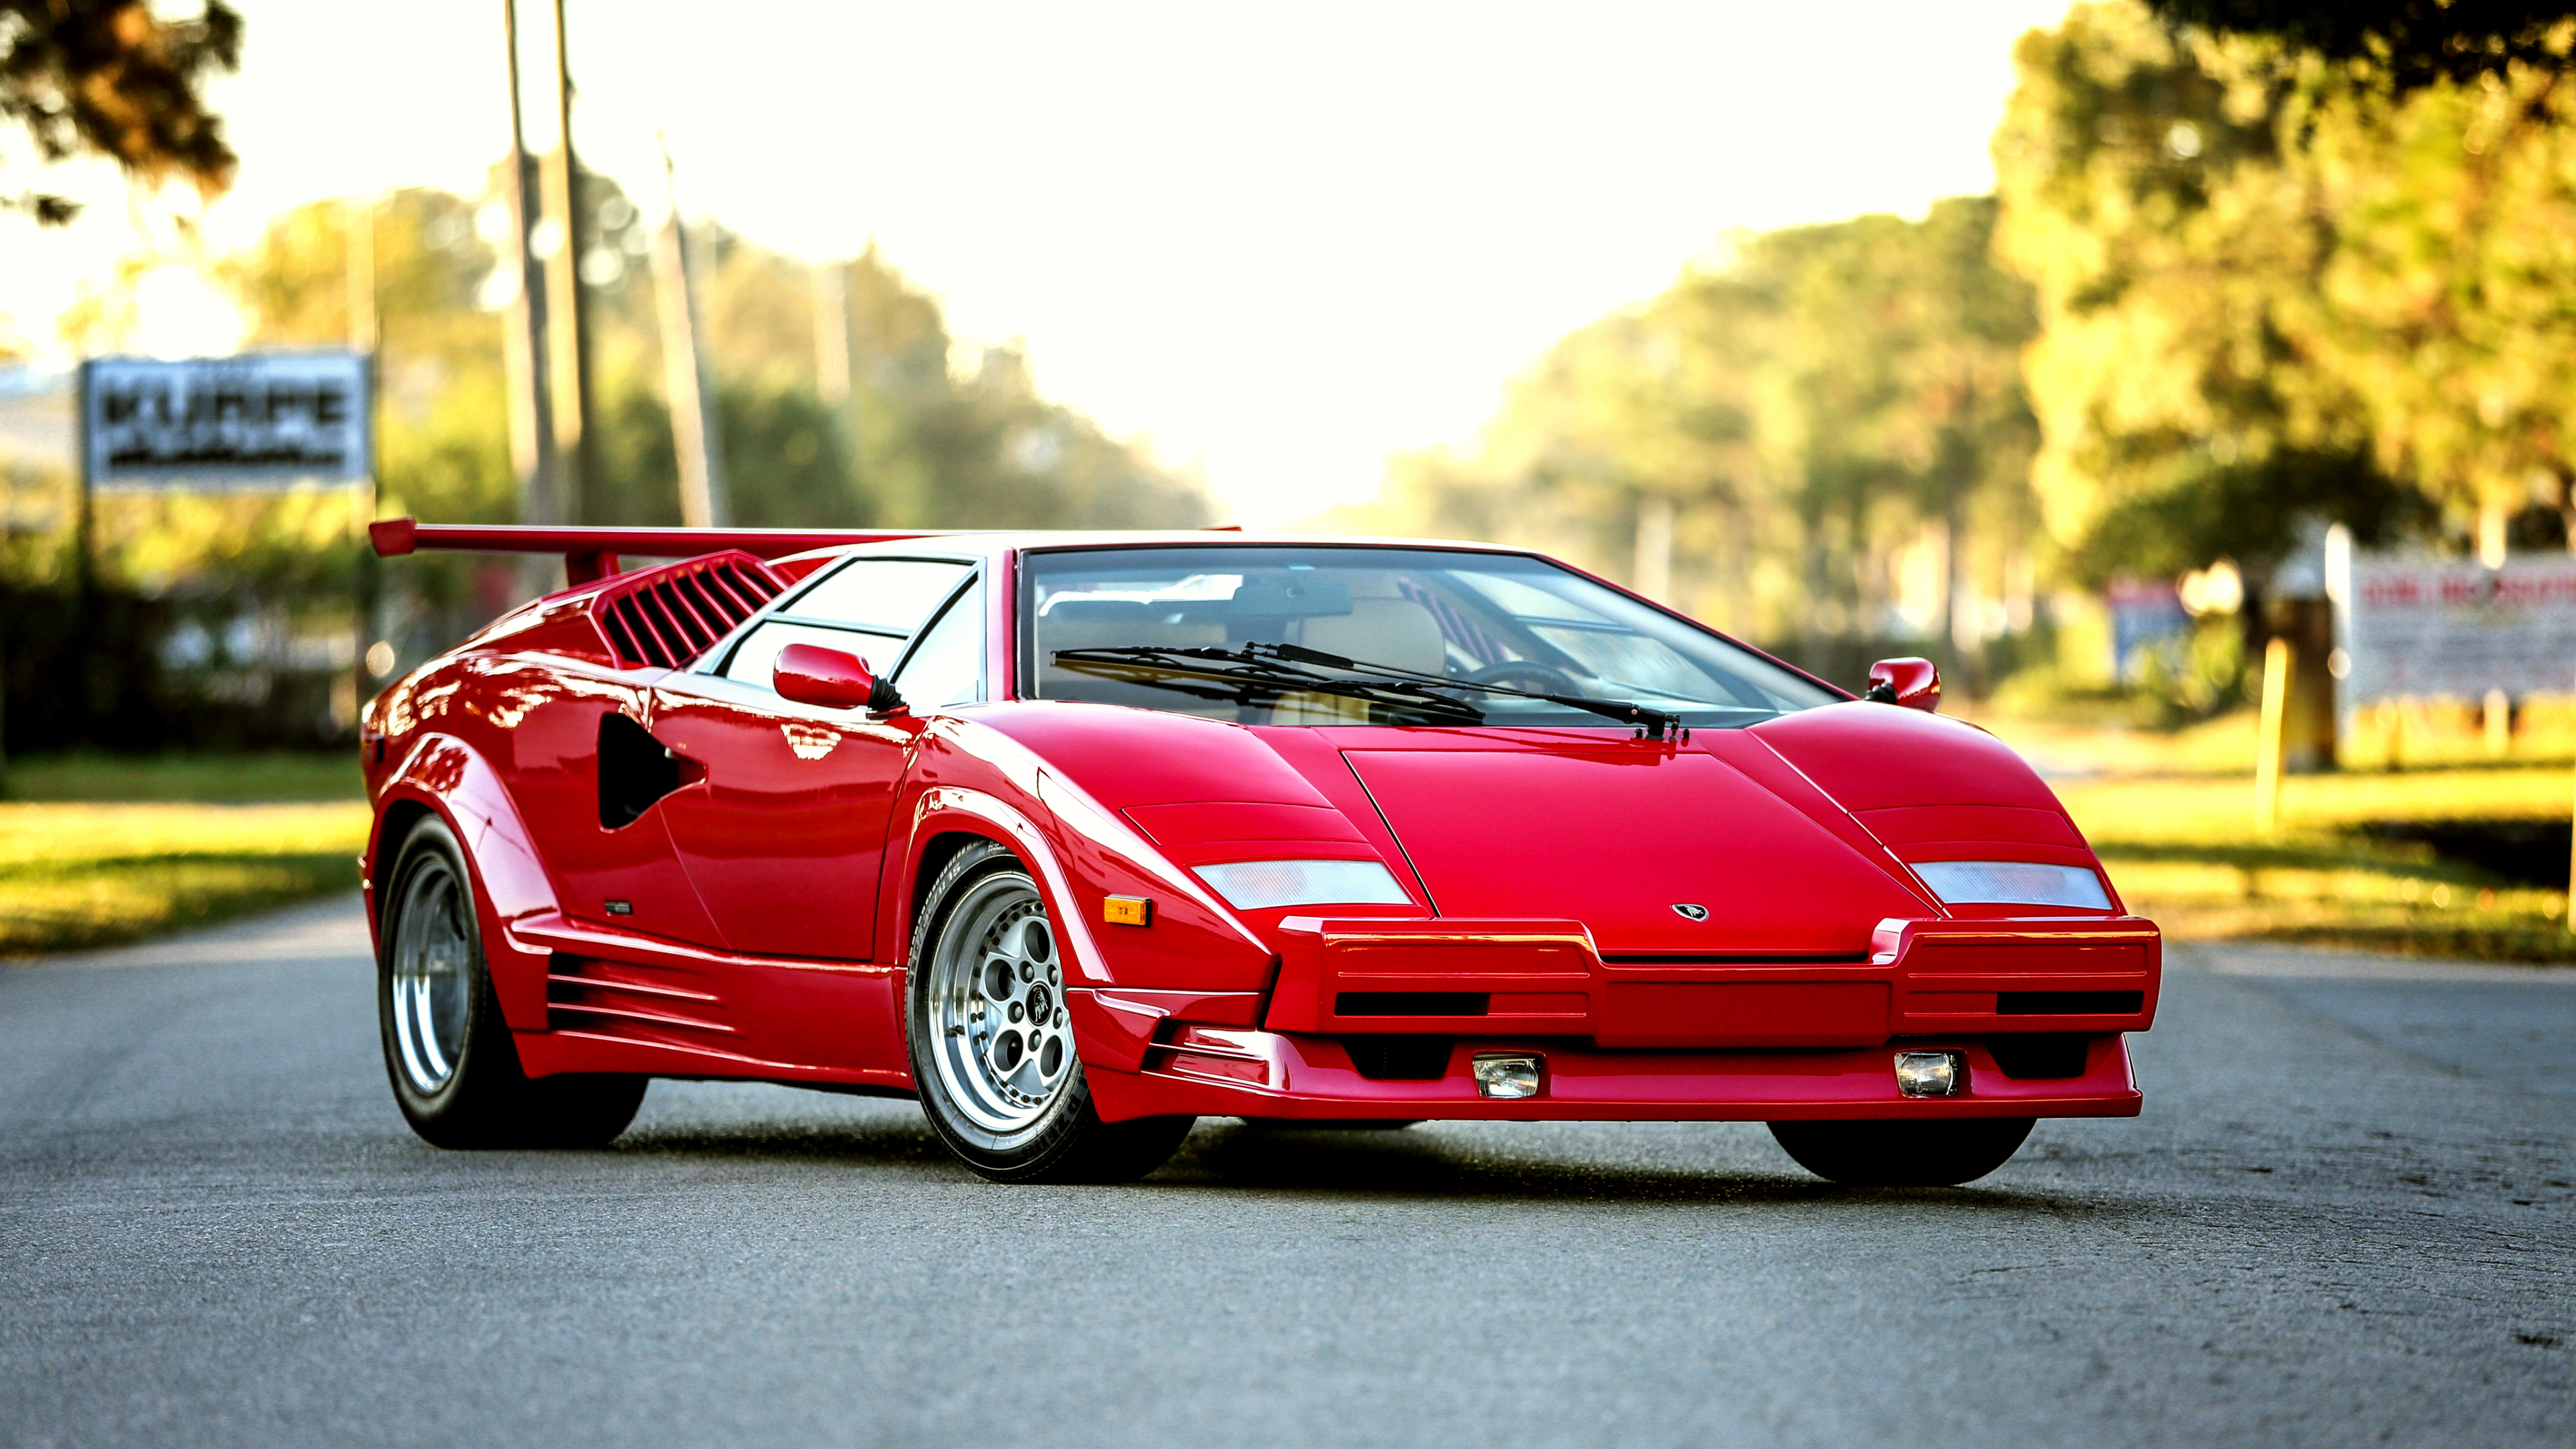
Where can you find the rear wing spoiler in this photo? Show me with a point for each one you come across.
(591, 554)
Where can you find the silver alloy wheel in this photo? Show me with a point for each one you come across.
(431, 982)
(995, 1003)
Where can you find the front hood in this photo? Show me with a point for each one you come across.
(1762, 827)
(1875, 757)
(1619, 835)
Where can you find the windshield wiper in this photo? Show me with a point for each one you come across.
(1271, 664)
(1253, 676)
(1653, 724)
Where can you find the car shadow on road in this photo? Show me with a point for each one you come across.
(1226, 1157)
(1382, 1166)
(899, 1145)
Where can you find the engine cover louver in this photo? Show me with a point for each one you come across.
(668, 616)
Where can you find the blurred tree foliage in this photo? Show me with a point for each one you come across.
(112, 78)
(925, 437)
(2252, 266)
(2281, 282)
(1834, 413)
(919, 441)
(934, 433)
(2402, 44)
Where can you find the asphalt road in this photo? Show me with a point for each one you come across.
(2345, 1219)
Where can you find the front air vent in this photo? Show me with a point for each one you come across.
(1410, 1003)
(1399, 1058)
(665, 617)
(2040, 1058)
(2070, 1003)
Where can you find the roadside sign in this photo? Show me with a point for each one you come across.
(2424, 627)
(2146, 615)
(259, 421)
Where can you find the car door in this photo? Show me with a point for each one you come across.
(785, 833)
(575, 740)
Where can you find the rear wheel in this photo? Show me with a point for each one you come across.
(454, 1069)
(992, 1052)
(1881, 1153)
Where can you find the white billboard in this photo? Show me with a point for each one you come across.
(257, 421)
(2414, 625)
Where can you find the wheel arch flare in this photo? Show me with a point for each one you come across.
(1122, 980)
(445, 777)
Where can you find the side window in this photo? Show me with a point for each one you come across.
(868, 607)
(890, 596)
(758, 653)
(947, 666)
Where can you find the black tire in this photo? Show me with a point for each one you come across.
(1882, 1153)
(455, 1071)
(1062, 1138)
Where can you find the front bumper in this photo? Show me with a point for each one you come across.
(1712, 1038)
(1451, 976)
(1313, 1077)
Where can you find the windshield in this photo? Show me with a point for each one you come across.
(1467, 618)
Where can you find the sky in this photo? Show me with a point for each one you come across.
(1280, 242)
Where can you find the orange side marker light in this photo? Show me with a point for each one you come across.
(1127, 911)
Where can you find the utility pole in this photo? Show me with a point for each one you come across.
(84, 552)
(1654, 571)
(568, 340)
(686, 385)
(532, 429)
(361, 219)
(2271, 733)
(832, 334)
(363, 340)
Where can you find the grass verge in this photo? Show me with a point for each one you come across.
(95, 777)
(96, 850)
(77, 873)
(2180, 836)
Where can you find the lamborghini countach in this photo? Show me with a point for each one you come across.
(1076, 838)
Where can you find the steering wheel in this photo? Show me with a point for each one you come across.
(1527, 674)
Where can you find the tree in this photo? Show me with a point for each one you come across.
(110, 77)
(2406, 45)
(918, 443)
(2143, 198)
(1834, 415)
(2274, 288)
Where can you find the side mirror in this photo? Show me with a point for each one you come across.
(812, 674)
(1913, 683)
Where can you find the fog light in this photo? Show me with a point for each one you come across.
(1511, 1077)
(1931, 1074)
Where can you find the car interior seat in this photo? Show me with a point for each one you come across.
(1397, 633)
(1077, 623)
(1390, 630)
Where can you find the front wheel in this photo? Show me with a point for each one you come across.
(455, 1071)
(992, 1052)
(1881, 1153)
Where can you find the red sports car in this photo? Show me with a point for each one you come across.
(1078, 837)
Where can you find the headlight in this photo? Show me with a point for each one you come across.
(1252, 885)
(2013, 883)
